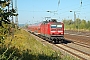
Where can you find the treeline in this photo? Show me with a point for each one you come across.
(6, 14)
(78, 24)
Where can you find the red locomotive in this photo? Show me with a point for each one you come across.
(49, 30)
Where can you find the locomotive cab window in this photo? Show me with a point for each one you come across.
(59, 26)
(53, 26)
(56, 26)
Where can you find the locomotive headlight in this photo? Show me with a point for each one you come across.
(61, 33)
(52, 33)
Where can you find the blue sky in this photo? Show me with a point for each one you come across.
(33, 11)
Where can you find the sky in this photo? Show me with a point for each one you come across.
(34, 11)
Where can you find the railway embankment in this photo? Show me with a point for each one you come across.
(25, 47)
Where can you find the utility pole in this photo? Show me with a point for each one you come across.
(8, 7)
(75, 18)
(16, 18)
(13, 26)
(12, 10)
(81, 3)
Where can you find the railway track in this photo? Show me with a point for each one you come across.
(77, 33)
(76, 53)
(80, 54)
(80, 37)
(67, 49)
(77, 50)
(81, 44)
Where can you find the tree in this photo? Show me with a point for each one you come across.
(5, 15)
(88, 25)
(83, 24)
(77, 23)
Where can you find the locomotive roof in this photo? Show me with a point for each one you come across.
(51, 21)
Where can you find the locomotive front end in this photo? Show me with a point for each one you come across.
(57, 32)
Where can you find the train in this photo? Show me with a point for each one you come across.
(51, 30)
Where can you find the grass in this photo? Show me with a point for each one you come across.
(25, 47)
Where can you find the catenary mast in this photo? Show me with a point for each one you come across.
(16, 18)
